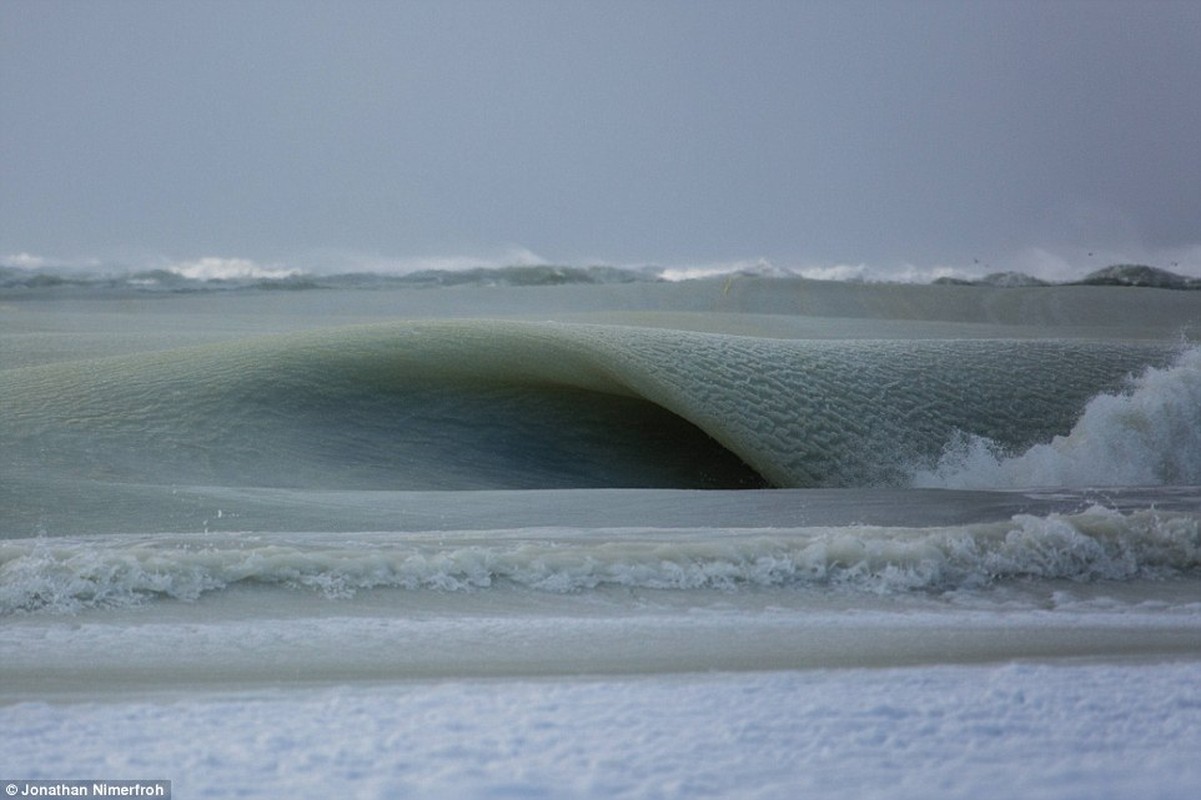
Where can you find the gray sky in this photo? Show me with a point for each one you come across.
(806, 133)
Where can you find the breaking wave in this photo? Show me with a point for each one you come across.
(1148, 435)
(472, 405)
(69, 575)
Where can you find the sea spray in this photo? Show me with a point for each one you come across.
(1149, 435)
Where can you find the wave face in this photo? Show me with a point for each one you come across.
(490, 405)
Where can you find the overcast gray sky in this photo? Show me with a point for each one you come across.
(885, 133)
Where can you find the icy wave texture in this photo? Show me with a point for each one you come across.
(68, 575)
(480, 404)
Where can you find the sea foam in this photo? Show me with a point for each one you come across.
(1149, 435)
(69, 575)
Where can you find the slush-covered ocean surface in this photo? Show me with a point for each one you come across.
(539, 532)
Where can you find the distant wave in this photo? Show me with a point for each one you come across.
(190, 278)
(1135, 275)
(1139, 275)
(237, 274)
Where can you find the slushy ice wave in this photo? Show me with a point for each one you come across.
(71, 574)
(501, 405)
(110, 456)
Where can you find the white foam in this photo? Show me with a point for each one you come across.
(25, 260)
(349, 261)
(759, 267)
(1147, 436)
(224, 269)
(67, 575)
